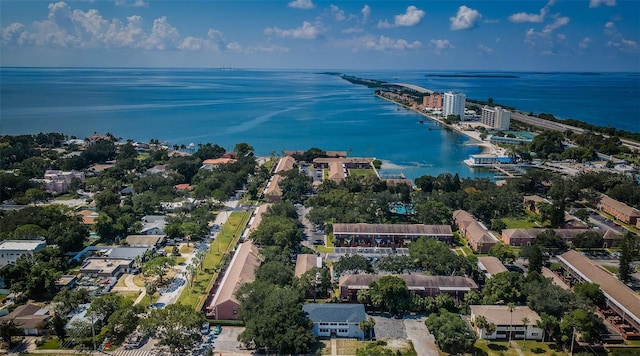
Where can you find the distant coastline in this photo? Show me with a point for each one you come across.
(472, 75)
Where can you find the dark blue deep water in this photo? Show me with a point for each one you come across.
(279, 110)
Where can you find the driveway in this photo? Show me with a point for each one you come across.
(423, 342)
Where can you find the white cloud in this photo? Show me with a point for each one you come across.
(352, 30)
(301, 4)
(69, 28)
(596, 3)
(440, 45)
(385, 43)
(366, 12)
(134, 3)
(307, 31)
(268, 49)
(466, 18)
(624, 45)
(557, 23)
(337, 13)
(522, 17)
(584, 43)
(485, 49)
(411, 17)
(234, 46)
(610, 24)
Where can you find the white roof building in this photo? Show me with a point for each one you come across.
(11, 250)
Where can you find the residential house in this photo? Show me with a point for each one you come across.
(58, 182)
(32, 319)
(419, 284)
(106, 267)
(532, 203)
(476, 234)
(11, 250)
(621, 211)
(397, 235)
(336, 319)
(153, 225)
(214, 163)
(507, 321)
(88, 216)
(145, 240)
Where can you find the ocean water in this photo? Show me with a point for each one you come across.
(279, 110)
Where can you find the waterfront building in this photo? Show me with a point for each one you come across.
(487, 159)
(11, 250)
(396, 235)
(432, 101)
(507, 321)
(453, 104)
(496, 117)
(509, 140)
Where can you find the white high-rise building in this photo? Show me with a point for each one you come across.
(453, 104)
(497, 117)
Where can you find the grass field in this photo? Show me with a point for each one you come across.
(485, 347)
(524, 223)
(362, 172)
(223, 244)
(611, 269)
(51, 344)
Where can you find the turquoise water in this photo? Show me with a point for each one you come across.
(271, 110)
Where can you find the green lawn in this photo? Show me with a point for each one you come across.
(362, 172)
(51, 344)
(223, 244)
(486, 347)
(513, 223)
(65, 197)
(611, 269)
(325, 249)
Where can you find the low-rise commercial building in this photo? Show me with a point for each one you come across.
(336, 319)
(11, 250)
(385, 235)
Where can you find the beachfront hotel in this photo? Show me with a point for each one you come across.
(453, 104)
(432, 101)
(496, 117)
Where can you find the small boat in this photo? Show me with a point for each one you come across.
(421, 121)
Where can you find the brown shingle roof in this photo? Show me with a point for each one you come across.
(615, 290)
(414, 281)
(393, 229)
(305, 262)
(474, 230)
(492, 265)
(500, 314)
(619, 206)
(242, 270)
(285, 164)
(27, 317)
(274, 186)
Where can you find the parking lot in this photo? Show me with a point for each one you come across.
(228, 340)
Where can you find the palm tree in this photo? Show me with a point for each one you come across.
(525, 322)
(512, 307)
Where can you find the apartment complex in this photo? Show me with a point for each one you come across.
(453, 104)
(496, 117)
(433, 101)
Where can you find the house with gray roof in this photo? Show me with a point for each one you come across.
(336, 319)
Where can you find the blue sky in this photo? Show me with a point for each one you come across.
(554, 35)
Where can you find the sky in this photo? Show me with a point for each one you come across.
(505, 35)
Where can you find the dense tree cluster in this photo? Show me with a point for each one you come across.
(271, 306)
(452, 334)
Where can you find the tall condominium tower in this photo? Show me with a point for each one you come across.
(497, 117)
(453, 104)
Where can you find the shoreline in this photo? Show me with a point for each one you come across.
(485, 146)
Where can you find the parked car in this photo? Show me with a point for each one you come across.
(217, 330)
(205, 328)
